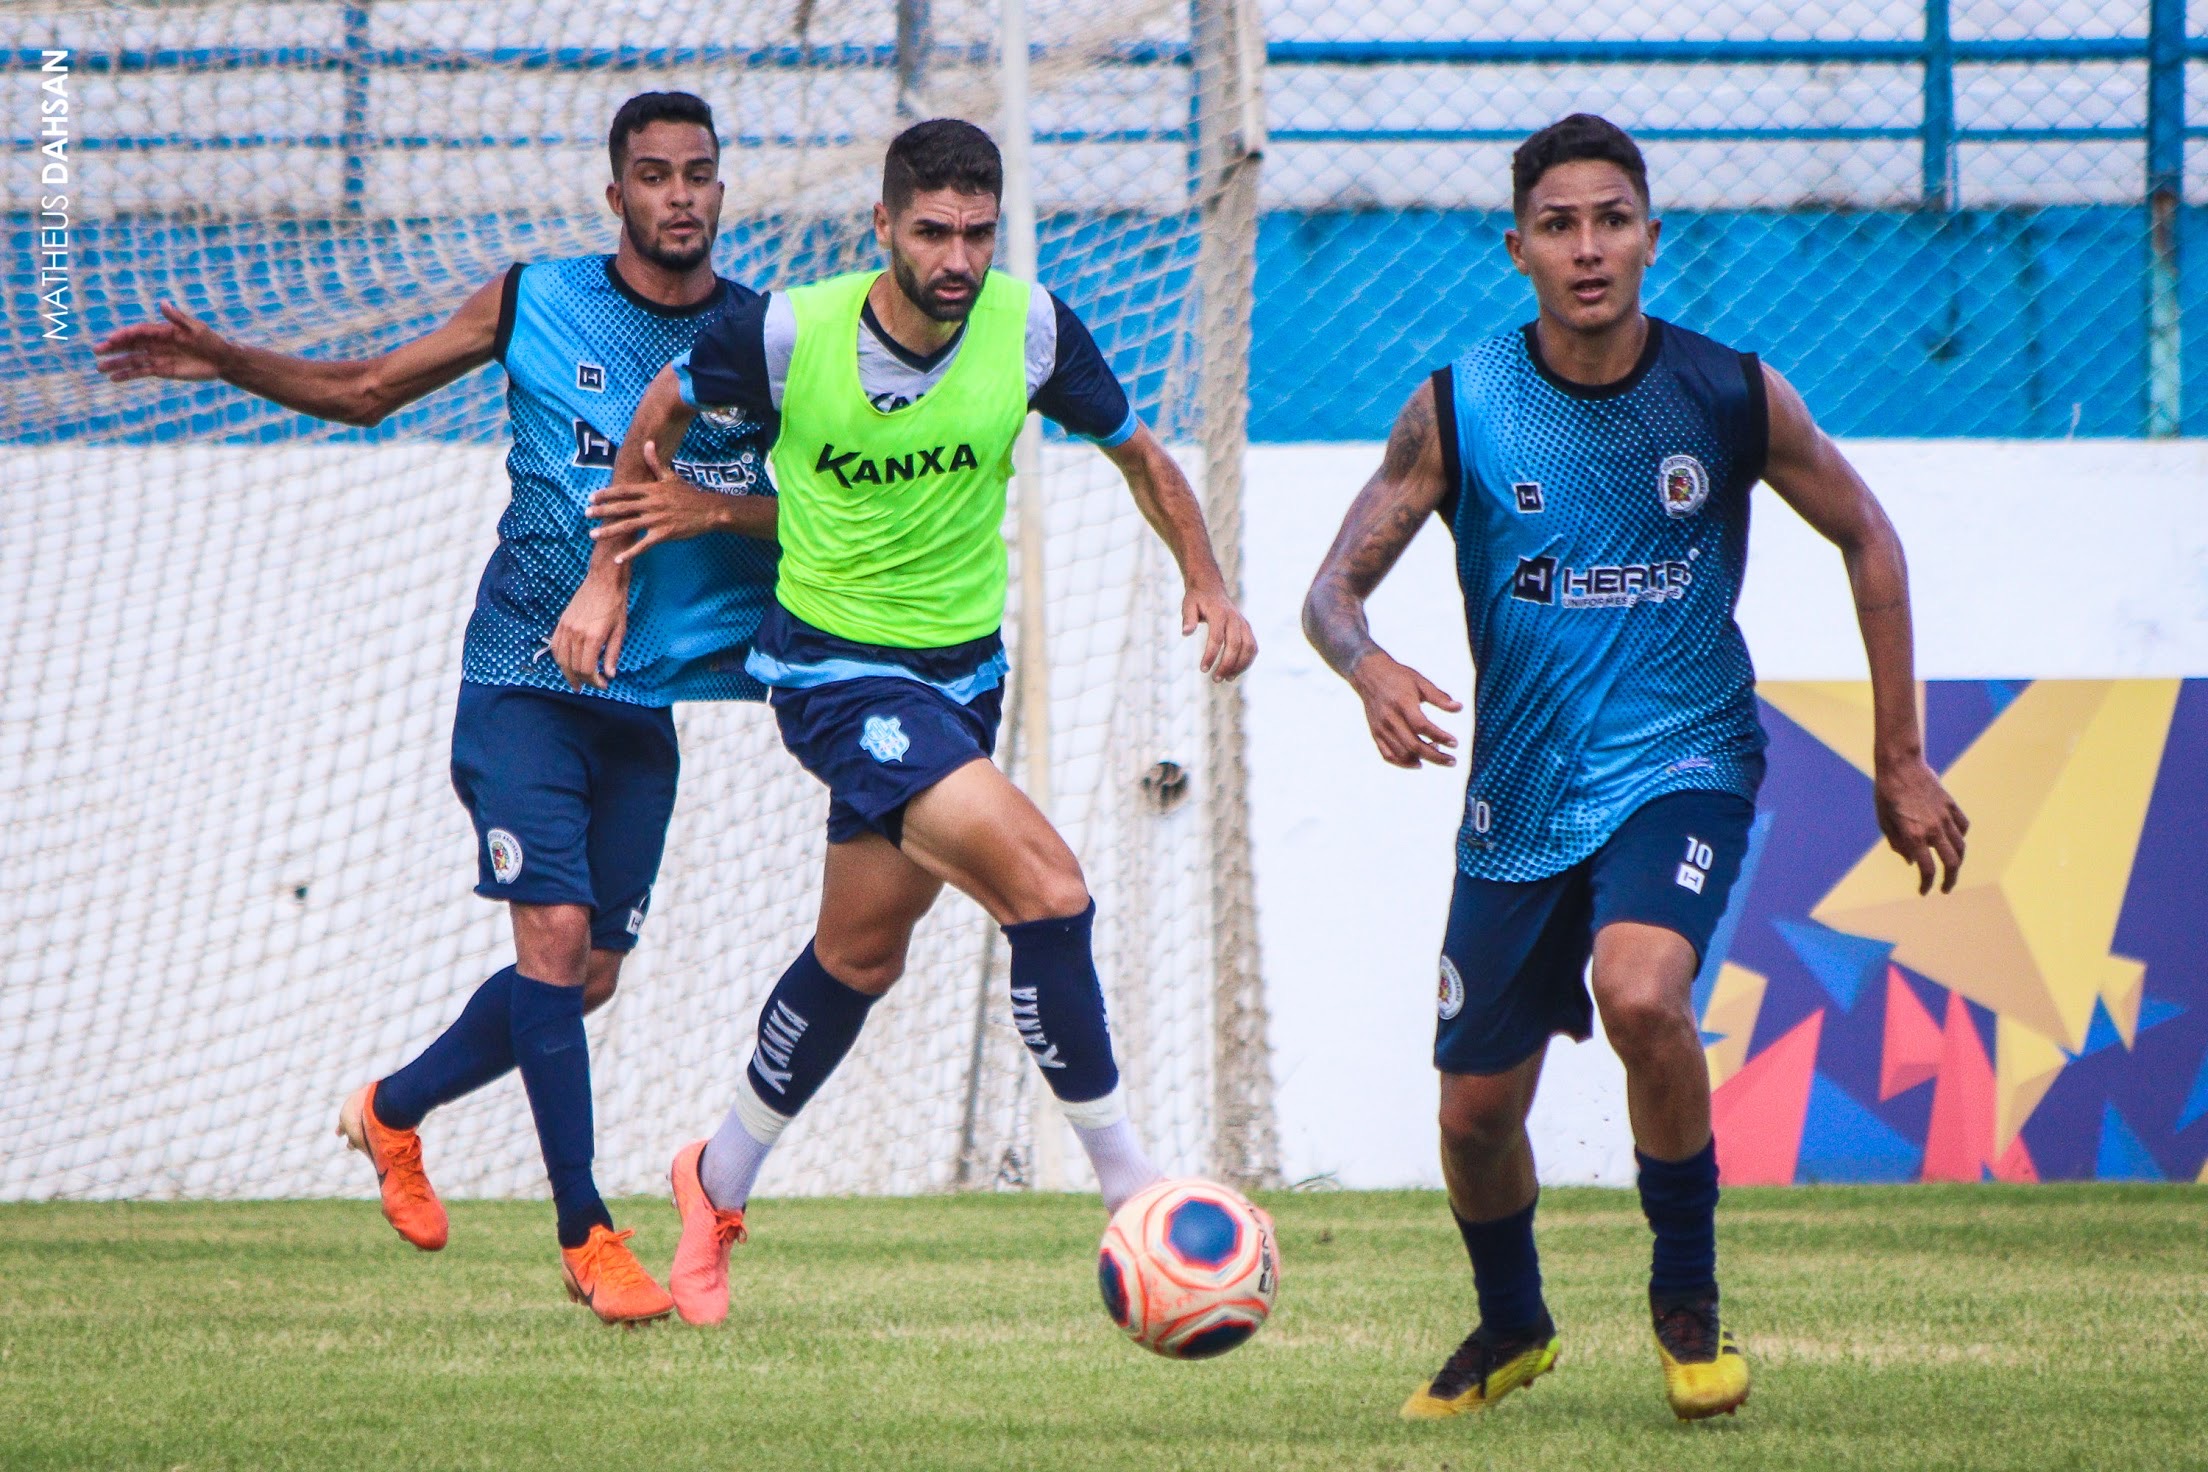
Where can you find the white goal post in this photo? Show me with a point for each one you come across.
(234, 869)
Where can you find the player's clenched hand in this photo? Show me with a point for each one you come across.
(587, 642)
(1921, 821)
(1396, 697)
(181, 346)
(664, 509)
(1229, 641)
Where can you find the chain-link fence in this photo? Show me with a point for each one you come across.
(1938, 217)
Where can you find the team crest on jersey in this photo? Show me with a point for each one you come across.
(731, 418)
(1683, 484)
(590, 378)
(884, 739)
(505, 855)
(1451, 999)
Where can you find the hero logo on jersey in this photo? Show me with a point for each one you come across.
(1535, 580)
(592, 448)
(1451, 1000)
(1683, 484)
(590, 378)
(505, 855)
(1528, 493)
(884, 739)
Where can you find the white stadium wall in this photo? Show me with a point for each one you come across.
(279, 703)
(2032, 559)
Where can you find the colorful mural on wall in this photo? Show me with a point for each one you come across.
(2046, 1021)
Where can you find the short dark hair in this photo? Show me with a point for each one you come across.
(1582, 135)
(647, 108)
(941, 153)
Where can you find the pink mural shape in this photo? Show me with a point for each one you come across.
(2015, 1164)
(1958, 1143)
(1757, 1114)
(1911, 1052)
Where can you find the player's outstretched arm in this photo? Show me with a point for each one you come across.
(356, 391)
(1804, 466)
(1407, 488)
(1169, 504)
(649, 503)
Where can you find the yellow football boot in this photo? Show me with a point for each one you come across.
(1483, 1370)
(1705, 1374)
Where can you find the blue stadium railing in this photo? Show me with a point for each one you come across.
(2149, 378)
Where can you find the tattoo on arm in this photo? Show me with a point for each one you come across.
(1382, 521)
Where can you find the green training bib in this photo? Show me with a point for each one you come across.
(891, 523)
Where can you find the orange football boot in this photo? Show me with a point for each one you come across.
(699, 1278)
(604, 1276)
(409, 1204)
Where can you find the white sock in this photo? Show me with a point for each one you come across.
(730, 1165)
(1114, 1153)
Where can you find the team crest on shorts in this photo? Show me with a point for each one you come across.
(1451, 1001)
(1683, 484)
(884, 739)
(505, 855)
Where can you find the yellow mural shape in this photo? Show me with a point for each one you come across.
(2057, 790)
(1734, 1004)
(2025, 1068)
(1836, 712)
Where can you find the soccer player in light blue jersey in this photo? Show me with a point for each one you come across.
(570, 782)
(1595, 469)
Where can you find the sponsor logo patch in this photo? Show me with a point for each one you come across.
(505, 855)
(590, 378)
(592, 448)
(884, 739)
(1683, 485)
(1535, 580)
(850, 468)
(1528, 493)
(1451, 999)
(1541, 580)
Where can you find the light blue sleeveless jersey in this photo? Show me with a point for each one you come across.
(1601, 538)
(579, 349)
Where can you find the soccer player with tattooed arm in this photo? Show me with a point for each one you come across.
(1594, 468)
(893, 399)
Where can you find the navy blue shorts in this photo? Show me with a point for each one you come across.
(570, 796)
(879, 741)
(1514, 963)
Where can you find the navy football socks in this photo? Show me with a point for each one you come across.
(1506, 1271)
(1679, 1198)
(554, 1058)
(808, 1022)
(1058, 1005)
(806, 1025)
(476, 1049)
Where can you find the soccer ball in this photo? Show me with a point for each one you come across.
(1188, 1268)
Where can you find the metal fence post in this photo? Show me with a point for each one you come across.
(354, 136)
(1939, 108)
(2165, 190)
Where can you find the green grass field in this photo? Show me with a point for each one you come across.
(2030, 1327)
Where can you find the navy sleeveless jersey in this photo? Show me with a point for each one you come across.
(580, 348)
(1601, 538)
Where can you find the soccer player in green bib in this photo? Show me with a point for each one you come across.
(893, 399)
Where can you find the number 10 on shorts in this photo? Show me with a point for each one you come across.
(1695, 868)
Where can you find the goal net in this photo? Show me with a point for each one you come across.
(236, 880)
